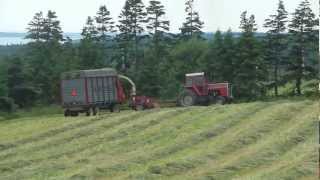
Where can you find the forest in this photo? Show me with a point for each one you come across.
(141, 46)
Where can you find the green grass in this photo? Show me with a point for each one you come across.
(260, 140)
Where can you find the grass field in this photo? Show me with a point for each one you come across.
(261, 140)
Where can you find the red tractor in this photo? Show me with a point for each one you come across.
(198, 91)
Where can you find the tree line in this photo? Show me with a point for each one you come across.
(141, 46)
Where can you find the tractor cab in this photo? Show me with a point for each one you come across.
(197, 82)
(197, 90)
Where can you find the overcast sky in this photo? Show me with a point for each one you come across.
(217, 14)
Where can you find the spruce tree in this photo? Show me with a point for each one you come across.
(156, 25)
(51, 28)
(302, 30)
(35, 29)
(90, 50)
(193, 25)
(150, 76)
(105, 24)
(276, 40)
(131, 27)
(44, 55)
(214, 60)
(89, 31)
(229, 57)
(251, 70)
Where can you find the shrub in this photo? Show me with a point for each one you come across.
(7, 104)
(24, 96)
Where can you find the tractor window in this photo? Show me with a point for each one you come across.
(195, 80)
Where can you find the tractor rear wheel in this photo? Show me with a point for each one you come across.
(220, 100)
(139, 107)
(187, 98)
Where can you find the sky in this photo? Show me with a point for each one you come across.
(216, 14)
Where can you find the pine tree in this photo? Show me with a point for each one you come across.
(251, 71)
(150, 76)
(193, 25)
(105, 24)
(229, 57)
(51, 28)
(89, 50)
(89, 31)
(35, 29)
(156, 25)
(131, 27)
(214, 61)
(302, 29)
(44, 55)
(3, 79)
(276, 40)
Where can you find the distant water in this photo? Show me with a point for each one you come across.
(18, 38)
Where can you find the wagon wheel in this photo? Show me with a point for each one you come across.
(74, 113)
(96, 111)
(89, 112)
(67, 113)
(115, 108)
(187, 98)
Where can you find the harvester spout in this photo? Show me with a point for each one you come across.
(134, 90)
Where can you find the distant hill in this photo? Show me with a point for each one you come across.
(12, 38)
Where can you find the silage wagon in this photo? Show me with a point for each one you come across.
(88, 91)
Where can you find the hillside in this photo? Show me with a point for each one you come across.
(262, 140)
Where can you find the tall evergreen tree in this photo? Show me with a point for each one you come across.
(251, 71)
(89, 31)
(51, 28)
(132, 18)
(302, 29)
(150, 76)
(105, 24)
(35, 29)
(3, 79)
(44, 55)
(89, 50)
(277, 41)
(193, 25)
(214, 60)
(131, 27)
(156, 25)
(229, 57)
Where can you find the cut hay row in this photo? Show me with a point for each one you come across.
(241, 141)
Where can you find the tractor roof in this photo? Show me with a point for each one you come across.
(195, 74)
(89, 73)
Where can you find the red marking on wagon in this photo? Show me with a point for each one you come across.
(74, 93)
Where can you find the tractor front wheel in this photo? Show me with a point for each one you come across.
(187, 98)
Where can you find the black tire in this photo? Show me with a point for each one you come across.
(96, 111)
(89, 112)
(115, 108)
(139, 107)
(220, 100)
(187, 98)
(66, 113)
(74, 113)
